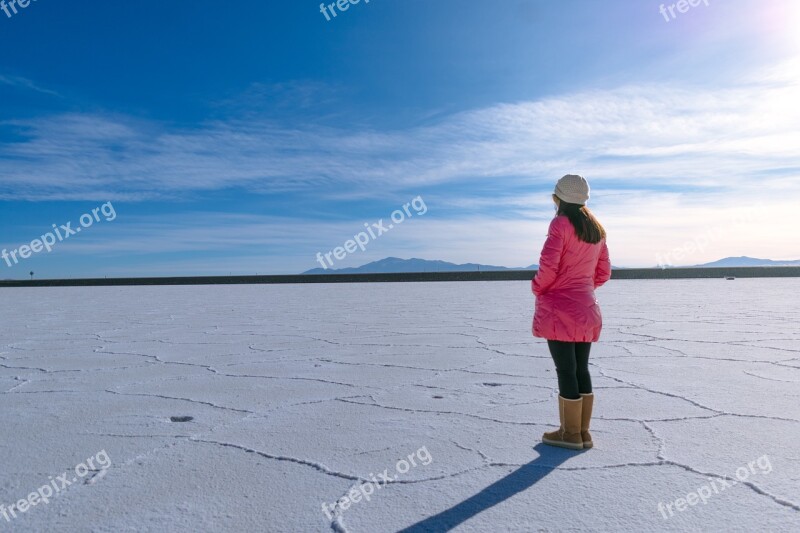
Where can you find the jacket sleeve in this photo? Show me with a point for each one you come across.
(550, 259)
(602, 272)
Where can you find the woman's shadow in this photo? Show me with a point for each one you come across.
(521, 479)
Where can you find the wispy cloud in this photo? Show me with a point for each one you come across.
(642, 227)
(664, 161)
(24, 83)
(643, 135)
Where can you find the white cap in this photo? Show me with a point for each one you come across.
(573, 189)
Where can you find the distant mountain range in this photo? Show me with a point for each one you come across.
(396, 265)
(745, 261)
(392, 265)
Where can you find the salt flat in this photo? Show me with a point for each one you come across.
(299, 393)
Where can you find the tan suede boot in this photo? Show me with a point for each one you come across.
(569, 434)
(586, 418)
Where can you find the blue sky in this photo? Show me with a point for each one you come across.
(245, 137)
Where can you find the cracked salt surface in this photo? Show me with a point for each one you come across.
(299, 393)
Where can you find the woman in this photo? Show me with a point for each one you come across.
(574, 262)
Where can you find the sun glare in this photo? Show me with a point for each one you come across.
(789, 24)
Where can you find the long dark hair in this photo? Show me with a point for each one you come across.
(587, 227)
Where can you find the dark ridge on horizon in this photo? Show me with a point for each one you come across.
(497, 275)
(417, 269)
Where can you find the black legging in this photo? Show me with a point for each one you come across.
(572, 366)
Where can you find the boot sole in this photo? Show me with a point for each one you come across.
(562, 444)
(587, 445)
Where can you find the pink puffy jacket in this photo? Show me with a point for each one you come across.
(569, 272)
